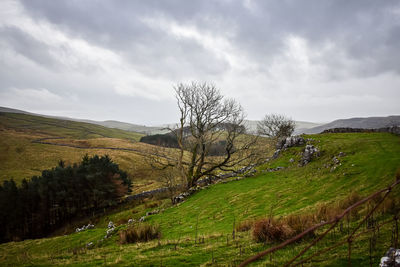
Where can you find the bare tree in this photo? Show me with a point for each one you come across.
(211, 135)
(276, 126)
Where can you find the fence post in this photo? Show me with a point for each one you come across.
(233, 231)
(197, 224)
(349, 243)
(396, 237)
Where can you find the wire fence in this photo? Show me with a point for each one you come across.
(367, 220)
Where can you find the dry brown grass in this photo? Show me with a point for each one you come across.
(139, 233)
(20, 158)
(271, 230)
(299, 222)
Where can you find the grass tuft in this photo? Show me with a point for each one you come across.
(271, 230)
(139, 233)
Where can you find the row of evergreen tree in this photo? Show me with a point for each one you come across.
(42, 204)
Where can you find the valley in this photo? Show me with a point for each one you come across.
(199, 231)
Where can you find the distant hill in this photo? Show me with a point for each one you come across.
(301, 126)
(109, 123)
(12, 110)
(129, 127)
(363, 123)
(58, 127)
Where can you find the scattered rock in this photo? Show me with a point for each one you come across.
(336, 161)
(309, 152)
(274, 169)
(291, 160)
(109, 232)
(251, 173)
(152, 212)
(391, 258)
(83, 228)
(130, 221)
(385, 261)
(142, 219)
(276, 153)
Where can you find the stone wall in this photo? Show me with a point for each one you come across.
(392, 129)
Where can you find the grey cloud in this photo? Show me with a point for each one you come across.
(27, 46)
(362, 29)
(362, 38)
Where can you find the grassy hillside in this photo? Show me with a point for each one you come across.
(21, 157)
(62, 128)
(370, 162)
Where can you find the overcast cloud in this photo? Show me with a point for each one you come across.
(312, 60)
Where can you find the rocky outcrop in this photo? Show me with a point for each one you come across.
(391, 258)
(287, 142)
(291, 141)
(110, 230)
(309, 153)
(83, 228)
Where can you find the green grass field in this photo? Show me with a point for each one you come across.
(370, 163)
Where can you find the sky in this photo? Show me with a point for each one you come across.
(311, 60)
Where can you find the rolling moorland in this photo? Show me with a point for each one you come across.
(24, 154)
(206, 228)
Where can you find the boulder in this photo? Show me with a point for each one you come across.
(309, 152)
(391, 258)
(109, 232)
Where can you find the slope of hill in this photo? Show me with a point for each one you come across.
(251, 125)
(12, 110)
(30, 144)
(199, 230)
(363, 123)
(109, 124)
(62, 128)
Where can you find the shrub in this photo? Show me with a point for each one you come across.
(327, 212)
(270, 230)
(299, 222)
(140, 233)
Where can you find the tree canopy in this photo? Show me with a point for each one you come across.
(45, 202)
(276, 126)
